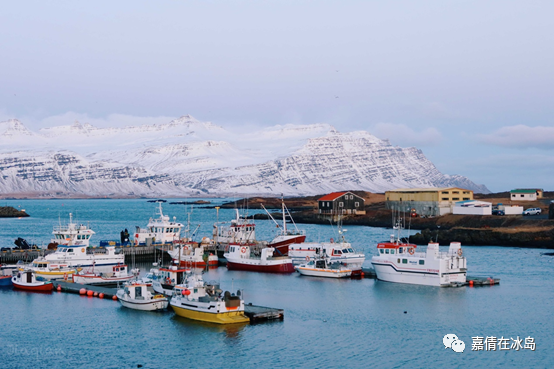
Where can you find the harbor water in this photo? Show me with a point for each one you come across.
(328, 323)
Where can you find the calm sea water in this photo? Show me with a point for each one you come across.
(328, 323)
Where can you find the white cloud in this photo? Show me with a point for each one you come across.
(402, 135)
(112, 120)
(521, 136)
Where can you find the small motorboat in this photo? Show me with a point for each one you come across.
(5, 280)
(324, 267)
(44, 270)
(6, 273)
(141, 296)
(27, 280)
(202, 301)
(120, 273)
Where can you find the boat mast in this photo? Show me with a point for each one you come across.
(283, 210)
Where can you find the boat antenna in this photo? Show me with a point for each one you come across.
(437, 238)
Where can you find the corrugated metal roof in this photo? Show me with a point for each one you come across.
(525, 190)
(332, 196)
(428, 189)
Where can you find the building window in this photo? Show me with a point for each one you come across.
(356, 204)
(513, 195)
(466, 192)
(522, 195)
(444, 199)
(444, 192)
(351, 197)
(456, 192)
(455, 198)
(466, 198)
(341, 204)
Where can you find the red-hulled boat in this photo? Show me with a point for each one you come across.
(286, 237)
(244, 257)
(27, 280)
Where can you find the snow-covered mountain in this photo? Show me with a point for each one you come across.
(187, 157)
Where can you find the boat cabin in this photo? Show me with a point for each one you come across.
(172, 275)
(392, 248)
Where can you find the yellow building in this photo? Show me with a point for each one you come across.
(426, 201)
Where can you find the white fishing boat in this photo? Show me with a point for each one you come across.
(167, 278)
(240, 230)
(43, 268)
(341, 252)
(119, 274)
(193, 254)
(398, 261)
(248, 257)
(324, 268)
(160, 230)
(72, 234)
(197, 300)
(28, 281)
(80, 256)
(141, 296)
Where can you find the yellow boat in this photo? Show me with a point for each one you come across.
(42, 268)
(205, 302)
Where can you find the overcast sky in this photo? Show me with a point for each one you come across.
(471, 83)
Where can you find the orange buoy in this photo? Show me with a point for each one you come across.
(101, 295)
(95, 294)
(114, 298)
(89, 293)
(470, 283)
(59, 288)
(82, 291)
(363, 274)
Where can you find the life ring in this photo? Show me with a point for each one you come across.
(168, 280)
(332, 240)
(136, 235)
(185, 247)
(243, 249)
(83, 249)
(460, 252)
(411, 250)
(65, 276)
(307, 258)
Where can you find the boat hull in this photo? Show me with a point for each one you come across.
(327, 273)
(5, 281)
(230, 317)
(282, 247)
(387, 273)
(266, 268)
(149, 305)
(43, 287)
(99, 281)
(199, 264)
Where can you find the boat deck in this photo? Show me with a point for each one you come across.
(261, 313)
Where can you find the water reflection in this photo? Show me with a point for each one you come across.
(230, 330)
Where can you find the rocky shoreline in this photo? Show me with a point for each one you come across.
(10, 212)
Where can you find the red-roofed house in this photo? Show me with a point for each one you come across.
(341, 203)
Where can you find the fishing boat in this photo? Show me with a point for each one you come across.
(323, 267)
(398, 261)
(248, 257)
(340, 251)
(5, 280)
(141, 296)
(71, 256)
(240, 230)
(119, 274)
(71, 234)
(197, 300)
(167, 278)
(27, 280)
(193, 254)
(160, 230)
(42, 268)
(286, 235)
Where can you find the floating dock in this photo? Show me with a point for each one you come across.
(470, 281)
(76, 288)
(261, 313)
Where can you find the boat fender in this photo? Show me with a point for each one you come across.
(65, 276)
(460, 252)
(307, 258)
(411, 251)
(332, 240)
(168, 280)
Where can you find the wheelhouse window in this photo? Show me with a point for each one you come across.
(386, 251)
(392, 251)
(404, 261)
(382, 251)
(422, 262)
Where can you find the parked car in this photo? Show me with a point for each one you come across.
(532, 211)
(3, 249)
(498, 212)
